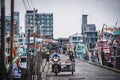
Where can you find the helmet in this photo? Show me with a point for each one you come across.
(56, 55)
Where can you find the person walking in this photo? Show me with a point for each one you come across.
(47, 56)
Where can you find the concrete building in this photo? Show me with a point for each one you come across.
(43, 24)
(79, 48)
(76, 39)
(89, 32)
(16, 23)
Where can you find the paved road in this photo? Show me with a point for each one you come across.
(84, 71)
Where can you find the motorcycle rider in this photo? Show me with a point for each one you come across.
(71, 56)
(55, 55)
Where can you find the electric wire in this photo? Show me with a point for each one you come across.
(25, 6)
(28, 2)
(32, 3)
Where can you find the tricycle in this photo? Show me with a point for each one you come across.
(68, 66)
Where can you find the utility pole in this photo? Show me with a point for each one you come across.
(2, 47)
(102, 53)
(28, 54)
(12, 36)
(40, 54)
(35, 76)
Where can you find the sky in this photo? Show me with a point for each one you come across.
(67, 14)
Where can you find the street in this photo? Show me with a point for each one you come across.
(84, 71)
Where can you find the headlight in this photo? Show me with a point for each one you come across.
(55, 59)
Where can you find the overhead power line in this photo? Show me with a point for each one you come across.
(28, 2)
(25, 6)
(32, 3)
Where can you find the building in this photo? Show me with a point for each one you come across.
(89, 32)
(76, 39)
(8, 24)
(16, 23)
(43, 23)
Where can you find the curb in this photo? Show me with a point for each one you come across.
(103, 66)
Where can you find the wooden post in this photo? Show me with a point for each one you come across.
(28, 54)
(102, 53)
(2, 47)
(12, 36)
(34, 45)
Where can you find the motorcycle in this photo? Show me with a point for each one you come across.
(56, 66)
(63, 67)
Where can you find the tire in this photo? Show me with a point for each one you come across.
(72, 72)
(56, 70)
(56, 74)
(72, 69)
